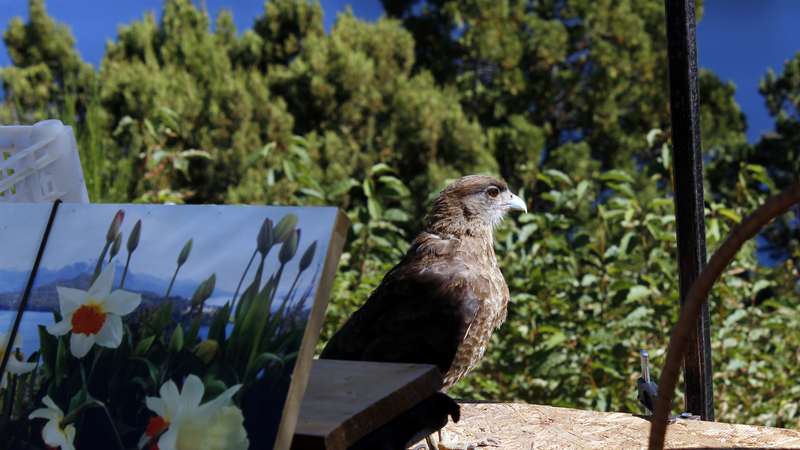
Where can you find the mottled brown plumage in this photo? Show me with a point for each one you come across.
(444, 299)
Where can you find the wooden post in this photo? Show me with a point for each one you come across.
(684, 95)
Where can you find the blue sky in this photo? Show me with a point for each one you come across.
(738, 39)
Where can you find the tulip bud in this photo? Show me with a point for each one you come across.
(208, 289)
(176, 341)
(133, 239)
(185, 253)
(115, 246)
(305, 261)
(284, 227)
(113, 229)
(289, 247)
(264, 240)
(208, 351)
(197, 297)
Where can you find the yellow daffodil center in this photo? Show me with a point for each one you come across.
(88, 319)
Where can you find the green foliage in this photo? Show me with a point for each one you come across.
(588, 293)
(568, 101)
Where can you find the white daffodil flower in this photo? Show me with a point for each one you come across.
(93, 316)
(212, 426)
(53, 434)
(14, 365)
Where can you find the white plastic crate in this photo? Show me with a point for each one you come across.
(40, 163)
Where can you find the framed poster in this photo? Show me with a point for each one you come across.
(162, 326)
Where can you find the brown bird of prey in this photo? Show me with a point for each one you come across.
(440, 304)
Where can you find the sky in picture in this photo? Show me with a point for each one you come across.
(22, 226)
(737, 39)
(224, 240)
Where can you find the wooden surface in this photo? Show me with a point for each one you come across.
(528, 427)
(346, 400)
(306, 354)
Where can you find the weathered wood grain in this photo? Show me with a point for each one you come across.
(346, 400)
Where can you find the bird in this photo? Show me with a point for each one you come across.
(441, 303)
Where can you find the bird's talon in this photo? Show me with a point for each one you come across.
(494, 441)
(421, 447)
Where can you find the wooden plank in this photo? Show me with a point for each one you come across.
(305, 357)
(346, 400)
(520, 426)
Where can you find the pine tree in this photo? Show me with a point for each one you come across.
(47, 69)
(572, 85)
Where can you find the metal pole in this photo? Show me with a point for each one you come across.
(689, 203)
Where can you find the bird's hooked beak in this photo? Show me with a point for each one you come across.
(516, 204)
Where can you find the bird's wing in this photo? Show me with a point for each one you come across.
(420, 313)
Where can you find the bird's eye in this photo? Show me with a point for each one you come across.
(493, 192)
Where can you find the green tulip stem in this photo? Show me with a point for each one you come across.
(188, 316)
(291, 290)
(236, 293)
(264, 318)
(99, 265)
(164, 302)
(114, 427)
(125, 272)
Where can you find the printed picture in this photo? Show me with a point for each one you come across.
(168, 325)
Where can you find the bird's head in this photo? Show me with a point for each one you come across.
(472, 205)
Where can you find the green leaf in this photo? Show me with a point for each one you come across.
(163, 319)
(555, 340)
(62, 362)
(617, 175)
(396, 215)
(151, 129)
(369, 188)
(257, 155)
(245, 302)
(560, 175)
(289, 169)
(261, 361)
(341, 187)
(637, 314)
(396, 185)
(651, 136)
(624, 244)
(144, 346)
(194, 329)
(588, 280)
(375, 209)
(734, 317)
(731, 214)
(760, 285)
(217, 329)
(581, 189)
(623, 188)
(312, 193)
(152, 370)
(48, 344)
(637, 293)
(176, 341)
(213, 388)
(379, 169)
(661, 202)
(298, 140)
